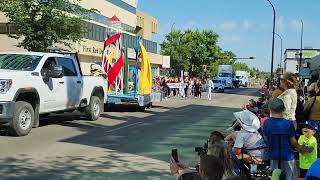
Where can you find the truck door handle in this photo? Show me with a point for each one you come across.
(79, 82)
(61, 82)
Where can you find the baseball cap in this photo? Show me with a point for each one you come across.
(276, 104)
(311, 125)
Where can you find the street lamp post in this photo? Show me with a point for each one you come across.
(281, 49)
(171, 39)
(300, 61)
(180, 57)
(274, 27)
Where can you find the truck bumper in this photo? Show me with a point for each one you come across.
(6, 112)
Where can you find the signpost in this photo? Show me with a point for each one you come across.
(304, 73)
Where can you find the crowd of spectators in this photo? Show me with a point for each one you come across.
(275, 135)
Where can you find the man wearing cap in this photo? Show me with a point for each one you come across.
(276, 129)
(308, 140)
(249, 138)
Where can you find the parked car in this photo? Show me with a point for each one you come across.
(219, 84)
(32, 84)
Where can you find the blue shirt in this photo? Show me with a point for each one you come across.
(275, 126)
(314, 170)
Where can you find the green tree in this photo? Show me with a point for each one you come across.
(175, 46)
(42, 23)
(189, 47)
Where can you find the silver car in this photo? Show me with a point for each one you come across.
(219, 85)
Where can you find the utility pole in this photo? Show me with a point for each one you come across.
(281, 48)
(171, 42)
(300, 61)
(274, 27)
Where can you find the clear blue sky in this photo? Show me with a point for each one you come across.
(244, 26)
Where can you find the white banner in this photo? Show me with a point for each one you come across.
(176, 85)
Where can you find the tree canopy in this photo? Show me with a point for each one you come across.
(198, 53)
(42, 23)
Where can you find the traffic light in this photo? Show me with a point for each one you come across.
(205, 68)
(297, 67)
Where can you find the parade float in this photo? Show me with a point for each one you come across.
(115, 65)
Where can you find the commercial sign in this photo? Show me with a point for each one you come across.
(166, 62)
(308, 54)
(93, 50)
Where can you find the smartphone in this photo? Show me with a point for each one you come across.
(174, 154)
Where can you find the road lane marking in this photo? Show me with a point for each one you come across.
(124, 127)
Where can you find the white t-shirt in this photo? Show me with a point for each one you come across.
(210, 84)
(250, 140)
(289, 98)
(192, 82)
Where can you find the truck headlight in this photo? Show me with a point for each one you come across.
(5, 85)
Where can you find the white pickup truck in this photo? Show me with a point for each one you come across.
(42, 83)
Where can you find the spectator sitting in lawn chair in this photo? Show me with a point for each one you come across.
(249, 138)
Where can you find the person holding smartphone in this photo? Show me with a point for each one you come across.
(210, 168)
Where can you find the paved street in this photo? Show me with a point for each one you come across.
(121, 144)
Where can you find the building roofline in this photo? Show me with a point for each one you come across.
(299, 49)
(146, 14)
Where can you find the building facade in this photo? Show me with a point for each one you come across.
(292, 58)
(133, 24)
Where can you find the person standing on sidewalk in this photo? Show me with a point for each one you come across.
(210, 87)
(312, 111)
(279, 132)
(200, 89)
(196, 88)
(289, 97)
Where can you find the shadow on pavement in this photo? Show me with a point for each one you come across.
(77, 167)
(243, 91)
(133, 152)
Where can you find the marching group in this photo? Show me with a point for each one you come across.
(277, 133)
(186, 87)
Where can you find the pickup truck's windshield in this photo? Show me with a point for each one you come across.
(19, 62)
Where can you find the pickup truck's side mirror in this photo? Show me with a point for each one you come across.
(56, 72)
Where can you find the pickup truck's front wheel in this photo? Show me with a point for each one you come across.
(23, 119)
(94, 109)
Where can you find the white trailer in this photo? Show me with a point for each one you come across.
(243, 77)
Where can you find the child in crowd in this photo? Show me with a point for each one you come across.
(308, 140)
(265, 115)
(278, 128)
